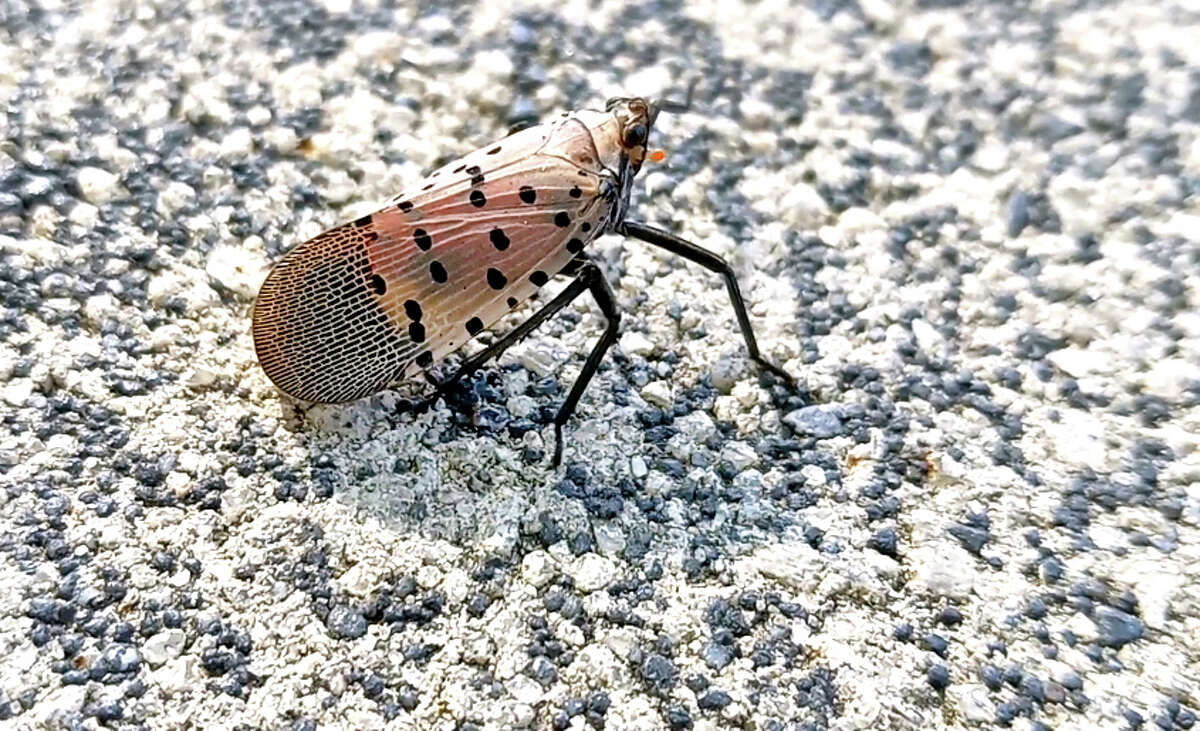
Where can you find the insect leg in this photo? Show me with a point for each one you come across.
(577, 287)
(712, 262)
(602, 292)
(590, 278)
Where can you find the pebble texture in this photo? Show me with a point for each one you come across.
(970, 229)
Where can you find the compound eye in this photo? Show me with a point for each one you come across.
(634, 135)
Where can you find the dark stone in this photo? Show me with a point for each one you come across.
(950, 616)
(346, 622)
(660, 673)
(885, 541)
(678, 718)
(938, 676)
(717, 656)
(1117, 628)
(1017, 213)
(713, 700)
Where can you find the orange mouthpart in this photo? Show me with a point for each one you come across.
(658, 156)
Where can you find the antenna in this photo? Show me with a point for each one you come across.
(675, 107)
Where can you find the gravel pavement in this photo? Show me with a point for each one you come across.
(970, 229)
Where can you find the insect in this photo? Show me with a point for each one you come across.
(380, 300)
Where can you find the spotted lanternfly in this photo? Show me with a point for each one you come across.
(380, 300)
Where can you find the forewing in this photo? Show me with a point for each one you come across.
(319, 330)
(370, 302)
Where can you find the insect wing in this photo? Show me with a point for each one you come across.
(370, 302)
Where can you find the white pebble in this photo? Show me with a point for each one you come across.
(236, 270)
(18, 391)
(928, 339)
(237, 144)
(163, 646)
(592, 572)
(658, 393)
(814, 476)
(97, 186)
(84, 214)
(739, 454)
(258, 116)
(610, 539)
(1074, 362)
(637, 467)
(635, 343)
(536, 568)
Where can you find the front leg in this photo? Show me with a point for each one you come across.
(712, 262)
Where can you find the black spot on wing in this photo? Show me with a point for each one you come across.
(412, 308)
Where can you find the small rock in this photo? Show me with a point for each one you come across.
(975, 704)
(537, 357)
(1075, 362)
(928, 339)
(97, 186)
(972, 538)
(1017, 213)
(635, 343)
(679, 718)
(637, 467)
(592, 572)
(235, 270)
(884, 541)
(942, 571)
(726, 372)
(199, 378)
(879, 13)
(1116, 628)
(610, 538)
(122, 658)
(821, 422)
(84, 214)
(346, 622)
(803, 207)
(713, 700)
(717, 656)
(813, 475)
(660, 673)
(163, 646)
(741, 455)
(237, 144)
(658, 393)
(938, 676)
(525, 689)
(18, 391)
(536, 568)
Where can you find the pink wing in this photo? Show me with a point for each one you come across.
(368, 303)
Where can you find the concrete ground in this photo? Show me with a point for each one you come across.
(970, 229)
